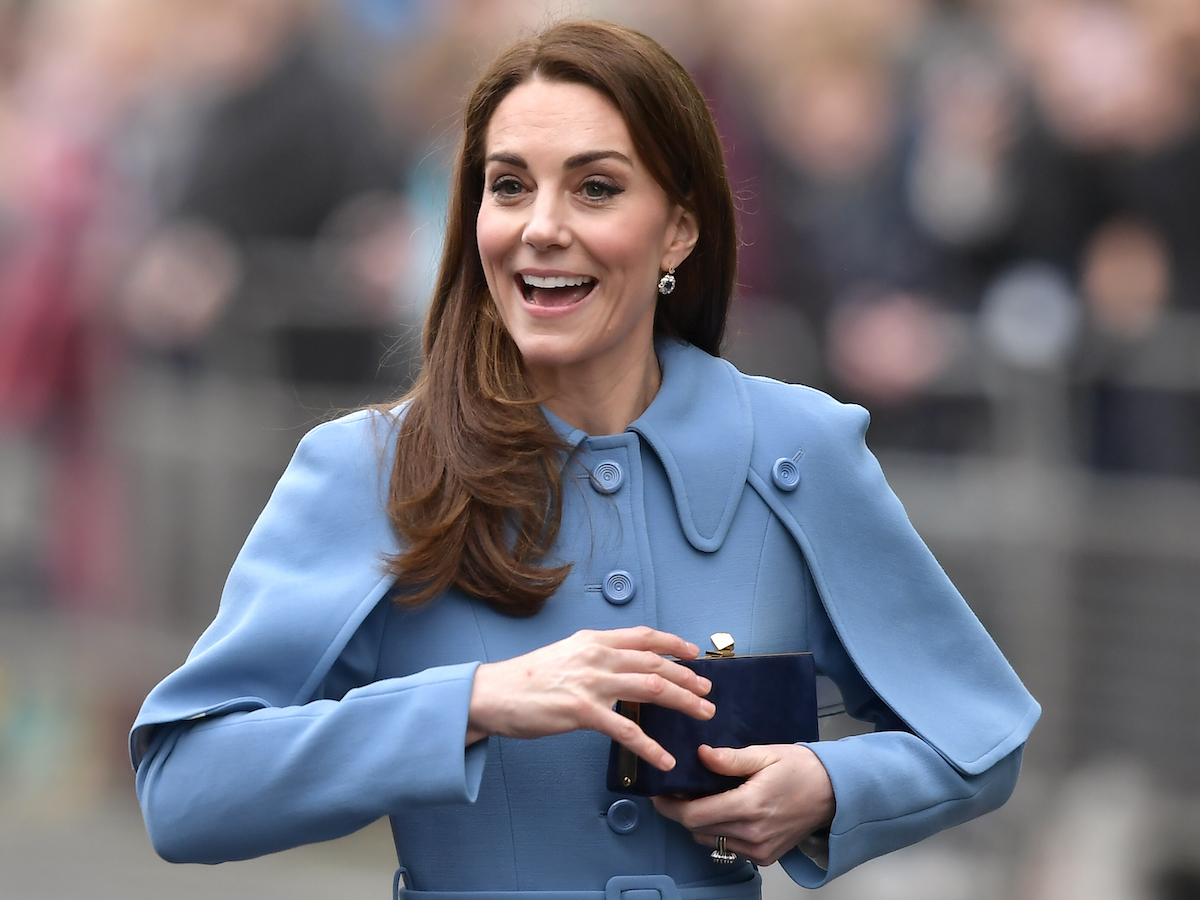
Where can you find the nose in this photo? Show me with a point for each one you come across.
(546, 227)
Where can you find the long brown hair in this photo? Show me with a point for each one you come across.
(476, 486)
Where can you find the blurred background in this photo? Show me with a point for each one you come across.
(219, 224)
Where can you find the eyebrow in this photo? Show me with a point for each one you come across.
(571, 162)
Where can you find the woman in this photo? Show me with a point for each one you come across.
(575, 489)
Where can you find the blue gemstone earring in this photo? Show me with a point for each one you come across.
(666, 284)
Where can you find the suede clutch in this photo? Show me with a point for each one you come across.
(760, 699)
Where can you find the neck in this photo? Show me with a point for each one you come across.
(599, 402)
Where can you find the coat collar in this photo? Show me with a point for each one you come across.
(699, 425)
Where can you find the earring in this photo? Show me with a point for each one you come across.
(666, 284)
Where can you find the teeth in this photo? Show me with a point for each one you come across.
(557, 281)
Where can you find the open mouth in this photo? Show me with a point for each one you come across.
(555, 290)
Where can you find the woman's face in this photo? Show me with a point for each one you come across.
(573, 231)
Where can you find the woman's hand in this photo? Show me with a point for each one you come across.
(786, 798)
(574, 683)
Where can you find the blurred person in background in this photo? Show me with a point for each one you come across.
(266, 259)
(1113, 157)
(400, 634)
(267, 251)
(74, 72)
(922, 159)
(850, 251)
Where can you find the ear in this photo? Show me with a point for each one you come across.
(683, 231)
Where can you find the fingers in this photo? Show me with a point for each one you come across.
(705, 815)
(641, 674)
(784, 800)
(743, 762)
(656, 675)
(702, 815)
(756, 839)
(759, 853)
(573, 684)
(671, 807)
(642, 637)
(627, 733)
(650, 688)
(708, 815)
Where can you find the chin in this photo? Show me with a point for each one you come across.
(547, 354)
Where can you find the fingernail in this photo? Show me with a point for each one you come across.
(668, 762)
(708, 707)
(705, 684)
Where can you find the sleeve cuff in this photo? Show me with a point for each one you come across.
(428, 719)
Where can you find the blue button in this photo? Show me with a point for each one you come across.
(785, 473)
(623, 816)
(607, 477)
(618, 587)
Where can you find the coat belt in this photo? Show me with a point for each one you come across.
(619, 887)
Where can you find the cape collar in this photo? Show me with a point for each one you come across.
(700, 427)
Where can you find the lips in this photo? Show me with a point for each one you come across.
(555, 290)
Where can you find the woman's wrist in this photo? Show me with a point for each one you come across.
(477, 712)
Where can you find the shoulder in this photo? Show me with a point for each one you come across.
(799, 399)
(352, 434)
(357, 445)
(337, 478)
(795, 413)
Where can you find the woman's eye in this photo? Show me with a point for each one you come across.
(599, 190)
(507, 186)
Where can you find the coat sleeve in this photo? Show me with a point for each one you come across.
(235, 754)
(892, 788)
(249, 783)
(951, 716)
(908, 631)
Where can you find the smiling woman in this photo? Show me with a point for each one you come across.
(623, 143)
(574, 234)
(444, 599)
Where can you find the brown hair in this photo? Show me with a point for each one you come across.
(476, 486)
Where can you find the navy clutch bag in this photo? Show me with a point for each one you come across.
(766, 699)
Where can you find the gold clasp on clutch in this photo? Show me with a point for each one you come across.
(723, 644)
(627, 761)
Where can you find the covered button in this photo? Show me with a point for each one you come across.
(785, 473)
(607, 477)
(623, 816)
(618, 587)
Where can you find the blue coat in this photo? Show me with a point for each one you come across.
(310, 707)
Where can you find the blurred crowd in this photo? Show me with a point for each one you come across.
(933, 195)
